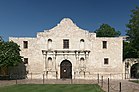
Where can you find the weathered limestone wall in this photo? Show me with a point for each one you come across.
(91, 50)
(33, 53)
(113, 53)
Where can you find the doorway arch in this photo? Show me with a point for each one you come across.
(135, 71)
(66, 69)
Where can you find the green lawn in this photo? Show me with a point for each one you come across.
(136, 81)
(51, 88)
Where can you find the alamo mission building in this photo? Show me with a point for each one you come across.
(67, 51)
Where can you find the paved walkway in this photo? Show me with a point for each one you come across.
(126, 86)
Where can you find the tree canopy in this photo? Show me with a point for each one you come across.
(106, 30)
(133, 33)
(9, 55)
(1, 39)
(133, 29)
(129, 51)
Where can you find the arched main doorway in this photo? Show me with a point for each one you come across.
(66, 69)
(135, 71)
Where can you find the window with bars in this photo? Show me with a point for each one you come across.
(65, 44)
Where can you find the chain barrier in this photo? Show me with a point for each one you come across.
(106, 82)
(118, 85)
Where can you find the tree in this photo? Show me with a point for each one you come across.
(1, 39)
(107, 31)
(133, 29)
(129, 51)
(9, 55)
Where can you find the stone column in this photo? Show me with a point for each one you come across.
(129, 73)
(76, 72)
(77, 61)
(54, 60)
(45, 61)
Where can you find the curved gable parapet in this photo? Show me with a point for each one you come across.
(67, 23)
(66, 28)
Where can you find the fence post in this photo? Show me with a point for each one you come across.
(101, 81)
(56, 74)
(98, 78)
(120, 87)
(84, 74)
(46, 74)
(16, 78)
(31, 76)
(108, 85)
(74, 74)
(43, 78)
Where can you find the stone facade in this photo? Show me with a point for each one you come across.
(131, 68)
(67, 50)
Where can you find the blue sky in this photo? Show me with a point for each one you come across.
(24, 18)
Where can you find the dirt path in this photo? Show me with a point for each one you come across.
(7, 82)
(50, 81)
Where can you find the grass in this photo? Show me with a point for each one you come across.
(135, 81)
(52, 88)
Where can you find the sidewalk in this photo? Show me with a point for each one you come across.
(126, 86)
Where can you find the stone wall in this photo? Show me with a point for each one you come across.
(83, 45)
